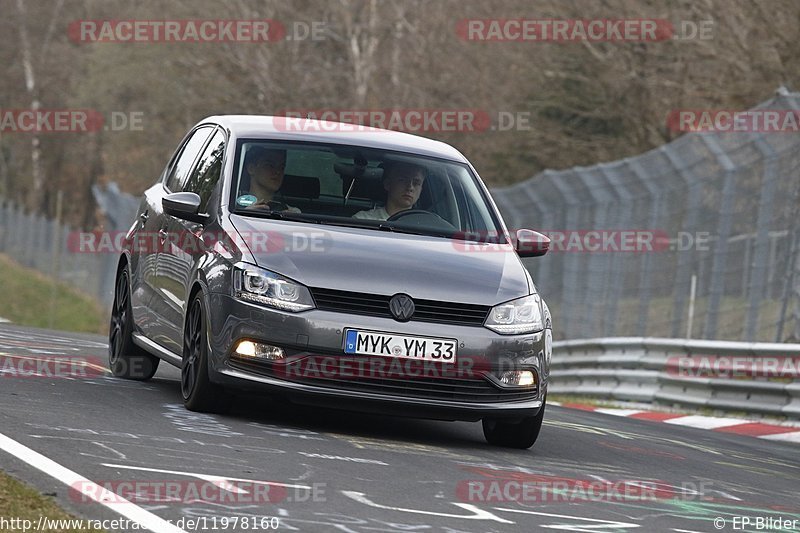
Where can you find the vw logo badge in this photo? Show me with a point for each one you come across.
(401, 307)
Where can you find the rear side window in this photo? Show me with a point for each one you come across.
(206, 174)
(180, 170)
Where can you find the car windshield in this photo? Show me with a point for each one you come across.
(363, 187)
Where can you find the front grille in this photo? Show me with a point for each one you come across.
(474, 388)
(378, 305)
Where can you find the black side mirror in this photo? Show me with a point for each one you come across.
(531, 243)
(184, 205)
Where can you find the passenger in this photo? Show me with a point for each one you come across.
(403, 184)
(265, 167)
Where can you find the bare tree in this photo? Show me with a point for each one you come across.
(35, 197)
(360, 31)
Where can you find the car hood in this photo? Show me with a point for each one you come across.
(377, 262)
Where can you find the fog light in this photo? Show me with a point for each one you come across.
(521, 378)
(258, 350)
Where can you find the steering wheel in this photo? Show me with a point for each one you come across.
(422, 218)
(272, 205)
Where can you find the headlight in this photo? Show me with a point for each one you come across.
(523, 315)
(262, 286)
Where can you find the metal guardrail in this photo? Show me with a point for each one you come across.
(745, 377)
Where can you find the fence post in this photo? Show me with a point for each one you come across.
(29, 236)
(719, 264)
(596, 284)
(622, 219)
(13, 230)
(791, 284)
(4, 226)
(42, 249)
(646, 273)
(759, 270)
(570, 276)
(684, 272)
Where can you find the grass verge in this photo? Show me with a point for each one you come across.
(29, 298)
(20, 501)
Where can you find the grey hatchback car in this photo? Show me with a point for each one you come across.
(338, 265)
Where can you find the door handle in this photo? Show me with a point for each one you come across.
(144, 216)
(162, 235)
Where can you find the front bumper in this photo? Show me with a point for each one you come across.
(318, 334)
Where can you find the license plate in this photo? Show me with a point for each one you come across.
(359, 342)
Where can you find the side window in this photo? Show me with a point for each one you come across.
(206, 174)
(180, 171)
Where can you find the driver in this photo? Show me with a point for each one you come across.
(403, 184)
(266, 167)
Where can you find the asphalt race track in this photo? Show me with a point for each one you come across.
(326, 470)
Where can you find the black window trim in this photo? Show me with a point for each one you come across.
(179, 153)
(211, 136)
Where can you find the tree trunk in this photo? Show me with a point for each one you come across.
(37, 178)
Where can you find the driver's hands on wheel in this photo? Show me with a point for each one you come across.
(273, 205)
(422, 218)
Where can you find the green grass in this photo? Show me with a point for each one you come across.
(20, 501)
(29, 298)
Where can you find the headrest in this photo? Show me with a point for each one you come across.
(300, 187)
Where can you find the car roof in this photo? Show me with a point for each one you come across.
(270, 127)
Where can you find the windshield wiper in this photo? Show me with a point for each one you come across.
(396, 229)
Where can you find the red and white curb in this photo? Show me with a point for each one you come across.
(738, 426)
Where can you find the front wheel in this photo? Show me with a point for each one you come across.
(199, 393)
(125, 359)
(520, 434)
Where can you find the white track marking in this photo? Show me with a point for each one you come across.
(89, 489)
(794, 436)
(705, 422)
(477, 513)
(618, 412)
(599, 525)
(206, 477)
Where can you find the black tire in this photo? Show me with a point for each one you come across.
(125, 359)
(199, 393)
(520, 434)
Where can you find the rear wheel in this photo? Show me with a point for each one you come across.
(199, 393)
(521, 434)
(125, 359)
